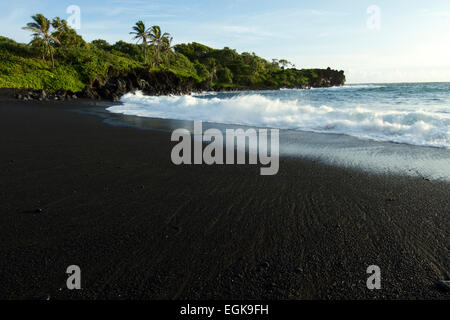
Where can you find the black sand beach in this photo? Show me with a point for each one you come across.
(140, 227)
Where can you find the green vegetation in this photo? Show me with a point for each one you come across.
(75, 64)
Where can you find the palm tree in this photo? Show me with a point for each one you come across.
(141, 34)
(159, 40)
(42, 33)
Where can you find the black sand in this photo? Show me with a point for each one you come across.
(142, 228)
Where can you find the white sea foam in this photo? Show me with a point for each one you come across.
(354, 87)
(420, 126)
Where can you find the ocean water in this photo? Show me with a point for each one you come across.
(380, 127)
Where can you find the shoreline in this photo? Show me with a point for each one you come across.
(140, 227)
(405, 159)
(167, 125)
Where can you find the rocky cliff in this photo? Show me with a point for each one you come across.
(116, 84)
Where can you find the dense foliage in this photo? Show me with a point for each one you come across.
(78, 64)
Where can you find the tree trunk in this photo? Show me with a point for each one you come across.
(157, 54)
(144, 48)
(43, 51)
(51, 55)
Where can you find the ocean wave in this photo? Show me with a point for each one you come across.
(419, 127)
(354, 87)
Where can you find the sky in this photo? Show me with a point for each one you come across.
(372, 41)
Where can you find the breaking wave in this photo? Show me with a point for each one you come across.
(418, 126)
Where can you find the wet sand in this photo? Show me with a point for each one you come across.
(140, 227)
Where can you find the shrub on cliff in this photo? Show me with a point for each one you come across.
(19, 69)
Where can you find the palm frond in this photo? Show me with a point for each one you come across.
(35, 30)
(33, 25)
